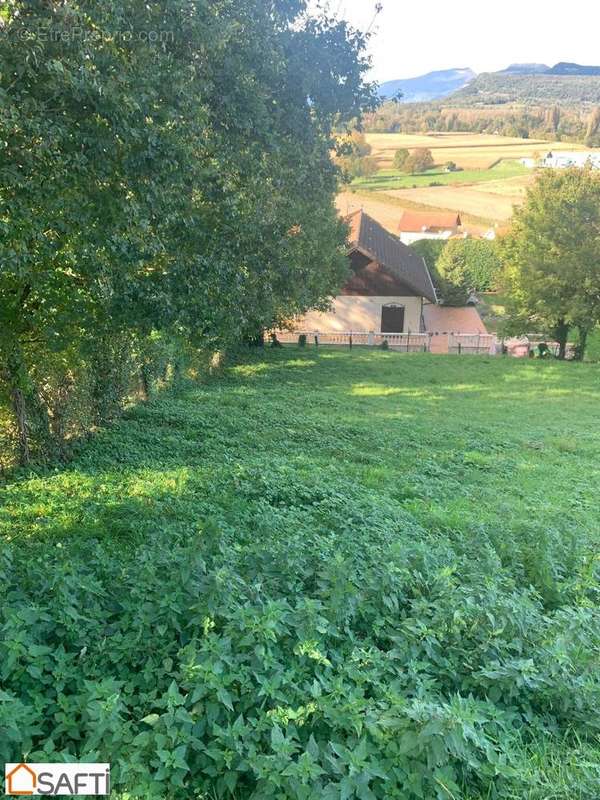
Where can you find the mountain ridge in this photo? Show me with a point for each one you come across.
(431, 86)
(498, 87)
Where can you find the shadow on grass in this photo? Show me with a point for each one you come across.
(302, 417)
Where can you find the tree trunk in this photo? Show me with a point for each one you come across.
(581, 344)
(562, 333)
(30, 416)
(145, 382)
(20, 411)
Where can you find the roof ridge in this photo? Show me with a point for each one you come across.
(381, 245)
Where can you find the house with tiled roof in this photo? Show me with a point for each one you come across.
(416, 225)
(387, 290)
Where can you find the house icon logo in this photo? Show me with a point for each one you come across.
(66, 779)
(21, 780)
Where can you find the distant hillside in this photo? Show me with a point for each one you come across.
(432, 86)
(525, 69)
(497, 88)
(564, 68)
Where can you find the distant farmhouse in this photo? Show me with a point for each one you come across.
(414, 226)
(390, 290)
(565, 159)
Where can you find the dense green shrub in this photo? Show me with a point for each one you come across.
(78, 388)
(188, 198)
(376, 665)
(461, 266)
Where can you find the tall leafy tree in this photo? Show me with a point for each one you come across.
(465, 266)
(552, 257)
(164, 166)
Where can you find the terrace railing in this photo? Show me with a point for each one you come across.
(471, 343)
(406, 342)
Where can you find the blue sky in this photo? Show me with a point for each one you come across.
(411, 38)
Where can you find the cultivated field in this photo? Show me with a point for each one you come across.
(490, 184)
(379, 206)
(467, 150)
(493, 200)
(325, 574)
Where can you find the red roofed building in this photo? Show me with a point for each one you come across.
(416, 225)
(390, 290)
(388, 287)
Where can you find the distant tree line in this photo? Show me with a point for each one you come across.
(160, 196)
(551, 122)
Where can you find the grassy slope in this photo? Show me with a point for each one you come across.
(488, 462)
(429, 409)
(394, 179)
(401, 425)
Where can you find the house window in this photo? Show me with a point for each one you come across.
(392, 318)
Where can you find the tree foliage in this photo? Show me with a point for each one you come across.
(543, 120)
(552, 256)
(164, 170)
(420, 160)
(461, 266)
(400, 158)
(354, 156)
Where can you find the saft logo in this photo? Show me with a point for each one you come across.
(57, 779)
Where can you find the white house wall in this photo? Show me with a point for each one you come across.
(359, 313)
(407, 237)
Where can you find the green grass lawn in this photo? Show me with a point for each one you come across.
(325, 574)
(394, 179)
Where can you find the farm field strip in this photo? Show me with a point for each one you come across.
(467, 150)
(387, 179)
(474, 200)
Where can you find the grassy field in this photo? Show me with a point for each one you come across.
(468, 150)
(326, 574)
(491, 184)
(388, 179)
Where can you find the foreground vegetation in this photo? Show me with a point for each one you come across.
(327, 574)
(165, 185)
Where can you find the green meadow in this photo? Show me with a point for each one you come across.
(322, 574)
(387, 179)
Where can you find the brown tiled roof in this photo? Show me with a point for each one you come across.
(370, 238)
(415, 221)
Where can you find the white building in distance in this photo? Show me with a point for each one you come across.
(565, 159)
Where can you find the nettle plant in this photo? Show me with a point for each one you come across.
(292, 660)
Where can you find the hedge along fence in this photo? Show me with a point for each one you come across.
(70, 393)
